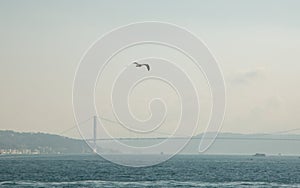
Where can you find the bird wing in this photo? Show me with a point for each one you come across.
(148, 67)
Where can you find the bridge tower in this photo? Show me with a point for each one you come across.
(95, 134)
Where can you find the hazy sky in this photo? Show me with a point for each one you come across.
(256, 42)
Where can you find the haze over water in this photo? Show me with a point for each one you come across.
(255, 45)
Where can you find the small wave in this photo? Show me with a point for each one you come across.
(172, 183)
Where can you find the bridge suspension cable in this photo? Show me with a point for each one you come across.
(261, 137)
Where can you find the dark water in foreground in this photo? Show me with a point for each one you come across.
(180, 171)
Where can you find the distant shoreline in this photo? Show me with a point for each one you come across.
(226, 144)
(92, 154)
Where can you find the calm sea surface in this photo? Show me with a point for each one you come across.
(180, 171)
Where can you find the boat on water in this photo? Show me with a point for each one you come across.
(259, 155)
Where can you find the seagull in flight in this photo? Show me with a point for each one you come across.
(140, 65)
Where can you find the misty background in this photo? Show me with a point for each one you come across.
(256, 44)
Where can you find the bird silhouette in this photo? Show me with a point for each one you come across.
(140, 65)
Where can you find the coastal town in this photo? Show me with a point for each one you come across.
(39, 150)
(19, 151)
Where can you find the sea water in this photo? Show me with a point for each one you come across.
(180, 171)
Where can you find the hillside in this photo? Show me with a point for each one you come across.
(226, 143)
(15, 142)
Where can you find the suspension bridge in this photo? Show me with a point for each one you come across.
(94, 124)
